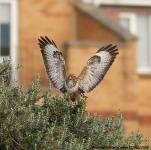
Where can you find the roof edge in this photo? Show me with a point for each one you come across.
(92, 10)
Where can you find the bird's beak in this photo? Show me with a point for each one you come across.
(70, 78)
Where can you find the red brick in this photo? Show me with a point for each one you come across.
(130, 115)
(88, 29)
(145, 120)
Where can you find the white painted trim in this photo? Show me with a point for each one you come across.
(87, 1)
(133, 29)
(144, 71)
(13, 35)
(120, 2)
(132, 19)
(149, 36)
(5, 1)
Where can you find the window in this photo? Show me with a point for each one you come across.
(125, 22)
(139, 24)
(9, 32)
(128, 21)
(5, 29)
(120, 2)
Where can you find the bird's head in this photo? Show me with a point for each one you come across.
(71, 77)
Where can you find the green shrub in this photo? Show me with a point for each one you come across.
(56, 124)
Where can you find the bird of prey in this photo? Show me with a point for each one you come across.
(92, 74)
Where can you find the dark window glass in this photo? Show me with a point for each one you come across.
(5, 36)
(5, 39)
(4, 29)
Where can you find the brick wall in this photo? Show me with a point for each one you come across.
(113, 12)
(39, 18)
(88, 29)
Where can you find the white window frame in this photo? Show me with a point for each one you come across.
(132, 20)
(147, 71)
(120, 2)
(133, 24)
(13, 35)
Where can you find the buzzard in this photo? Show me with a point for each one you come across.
(92, 74)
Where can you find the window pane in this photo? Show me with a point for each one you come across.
(5, 39)
(143, 41)
(5, 29)
(5, 13)
(125, 22)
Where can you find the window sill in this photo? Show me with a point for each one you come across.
(144, 71)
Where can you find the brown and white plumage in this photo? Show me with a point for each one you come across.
(96, 68)
(54, 62)
(91, 75)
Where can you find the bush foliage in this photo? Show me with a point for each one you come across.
(55, 124)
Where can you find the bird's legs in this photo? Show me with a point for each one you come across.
(74, 97)
(69, 99)
(77, 96)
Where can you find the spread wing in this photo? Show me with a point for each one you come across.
(96, 68)
(54, 62)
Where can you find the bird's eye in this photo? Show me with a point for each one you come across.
(90, 61)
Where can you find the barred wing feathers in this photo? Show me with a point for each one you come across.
(96, 68)
(54, 62)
